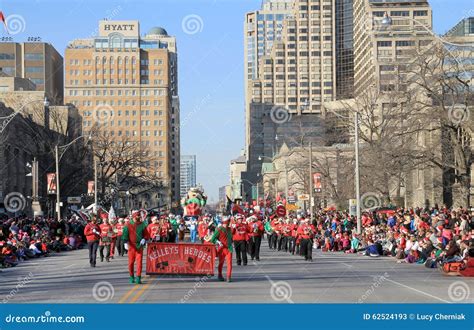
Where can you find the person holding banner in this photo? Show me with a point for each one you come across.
(222, 237)
(134, 237)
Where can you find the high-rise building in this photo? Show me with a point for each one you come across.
(133, 79)
(39, 62)
(464, 28)
(261, 29)
(379, 47)
(344, 49)
(188, 173)
(295, 79)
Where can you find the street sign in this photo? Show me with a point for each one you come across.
(291, 207)
(303, 197)
(352, 207)
(74, 200)
(291, 199)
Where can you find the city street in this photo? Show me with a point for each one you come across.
(278, 277)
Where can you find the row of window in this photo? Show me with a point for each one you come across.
(398, 43)
(132, 112)
(144, 123)
(119, 92)
(125, 81)
(119, 103)
(111, 60)
(401, 13)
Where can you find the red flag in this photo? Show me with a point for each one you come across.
(2, 18)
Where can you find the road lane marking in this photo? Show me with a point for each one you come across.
(124, 298)
(140, 293)
(419, 291)
(68, 266)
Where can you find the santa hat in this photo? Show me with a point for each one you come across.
(225, 220)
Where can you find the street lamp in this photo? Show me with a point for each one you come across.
(128, 201)
(58, 158)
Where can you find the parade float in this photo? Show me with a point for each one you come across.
(194, 202)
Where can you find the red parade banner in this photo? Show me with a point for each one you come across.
(51, 183)
(317, 182)
(180, 259)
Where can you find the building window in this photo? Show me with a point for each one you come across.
(34, 69)
(34, 56)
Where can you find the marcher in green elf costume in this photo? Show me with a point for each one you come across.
(173, 235)
(134, 237)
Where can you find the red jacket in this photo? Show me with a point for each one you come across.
(105, 234)
(164, 229)
(119, 228)
(202, 229)
(255, 228)
(153, 230)
(88, 232)
(240, 232)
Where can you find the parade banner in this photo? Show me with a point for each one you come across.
(180, 259)
(51, 183)
(317, 182)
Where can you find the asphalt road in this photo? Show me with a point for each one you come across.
(278, 277)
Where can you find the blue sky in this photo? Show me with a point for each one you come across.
(210, 60)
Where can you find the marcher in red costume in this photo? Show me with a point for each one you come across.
(223, 238)
(134, 236)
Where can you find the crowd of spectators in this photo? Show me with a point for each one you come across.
(433, 237)
(27, 238)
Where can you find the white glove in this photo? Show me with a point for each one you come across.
(95, 232)
(142, 242)
(125, 245)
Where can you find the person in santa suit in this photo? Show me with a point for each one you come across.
(223, 238)
(256, 230)
(306, 232)
(240, 237)
(154, 229)
(276, 232)
(119, 241)
(165, 228)
(92, 233)
(134, 237)
(292, 239)
(106, 234)
(286, 233)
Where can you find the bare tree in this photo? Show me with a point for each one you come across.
(124, 162)
(440, 91)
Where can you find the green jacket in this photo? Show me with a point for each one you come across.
(222, 236)
(133, 233)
